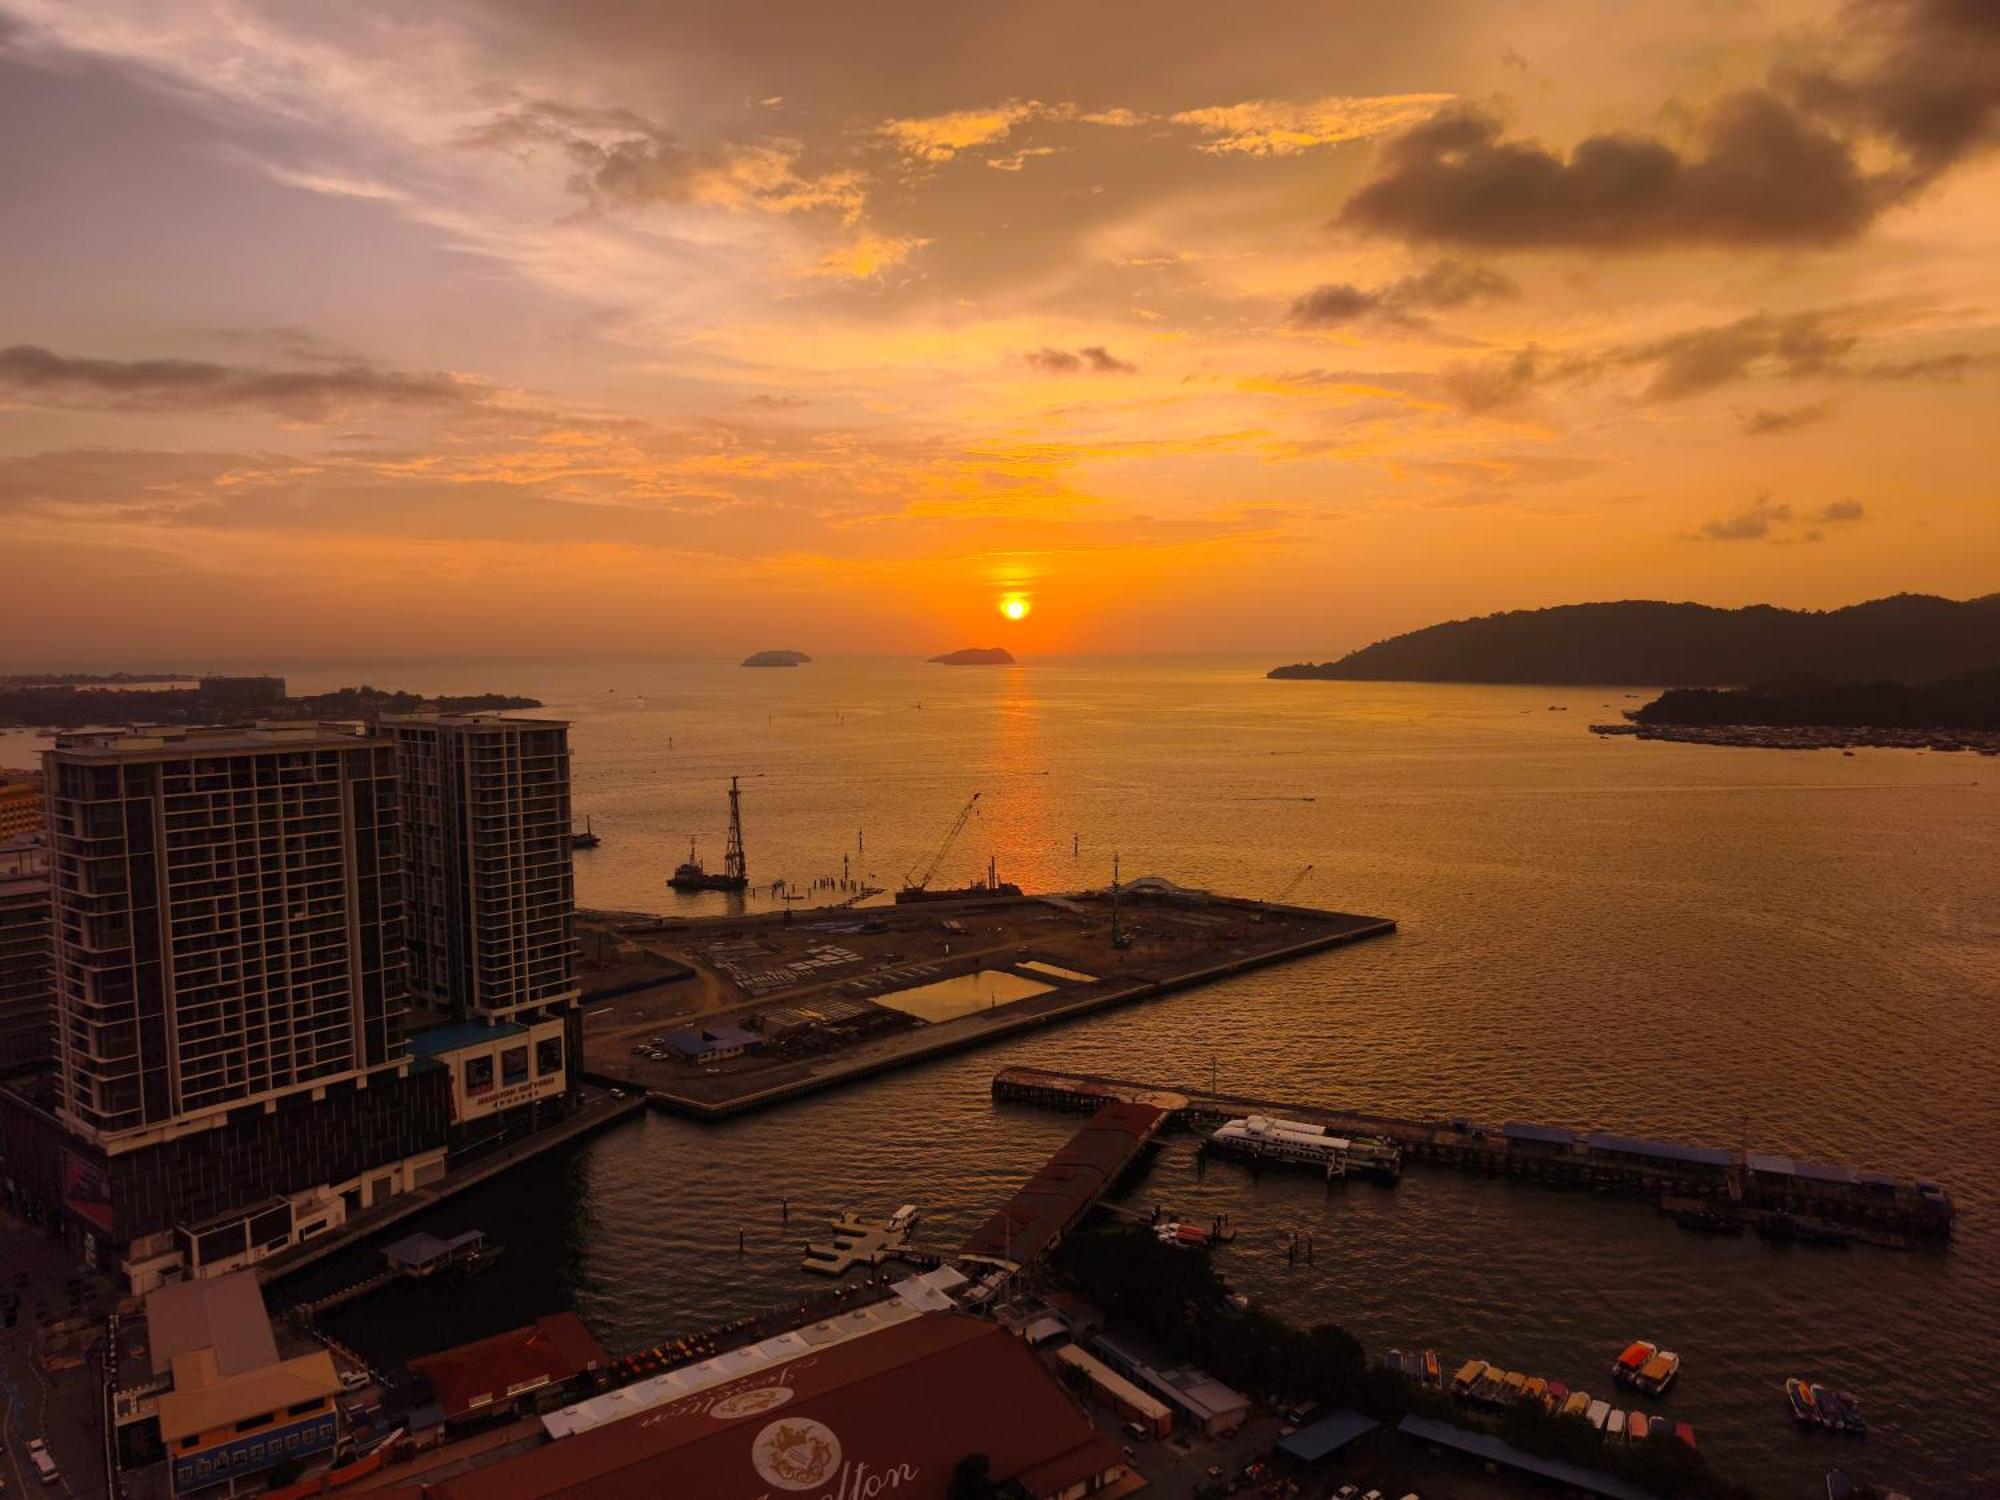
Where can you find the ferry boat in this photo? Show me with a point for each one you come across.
(1597, 1413)
(1577, 1404)
(1633, 1360)
(1295, 1141)
(1804, 1410)
(1658, 1372)
(1468, 1376)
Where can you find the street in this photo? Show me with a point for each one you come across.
(60, 1316)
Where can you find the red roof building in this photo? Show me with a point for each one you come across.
(492, 1375)
(888, 1415)
(1050, 1203)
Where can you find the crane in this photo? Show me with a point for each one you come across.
(1290, 885)
(915, 882)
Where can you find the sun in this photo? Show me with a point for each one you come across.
(1015, 606)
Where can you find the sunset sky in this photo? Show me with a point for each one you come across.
(565, 327)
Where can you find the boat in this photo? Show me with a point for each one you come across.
(691, 875)
(1838, 1485)
(1514, 1384)
(1294, 1141)
(1829, 1409)
(1535, 1389)
(1558, 1393)
(1804, 1411)
(1633, 1360)
(1376, 1158)
(588, 839)
(1577, 1405)
(1467, 1377)
(904, 1219)
(1182, 1236)
(1433, 1373)
(1614, 1426)
(1637, 1428)
(1489, 1385)
(1850, 1410)
(1597, 1413)
(1685, 1432)
(1658, 1373)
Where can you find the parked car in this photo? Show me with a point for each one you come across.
(45, 1464)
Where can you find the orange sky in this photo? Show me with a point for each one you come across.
(527, 327)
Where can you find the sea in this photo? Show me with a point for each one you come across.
(1794, 951)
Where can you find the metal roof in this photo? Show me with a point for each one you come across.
(1554, 1135)
(223, 1313)
(1812, 1171)
(1329, 1434)
(1632, 1145)
(1481, 1445)
(460, 1035)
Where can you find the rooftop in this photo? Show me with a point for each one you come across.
(146, 741)
(546, 1352)
(1482, 1445)
(1329, 1434)
(469, 721)
(908, 1401)
(460, 1034)
(203, 1398)
(222, 1313)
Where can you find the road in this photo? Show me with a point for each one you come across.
(64, 1407)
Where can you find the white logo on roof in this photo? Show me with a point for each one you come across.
(795, 1453)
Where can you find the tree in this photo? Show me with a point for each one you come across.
(972, 1479)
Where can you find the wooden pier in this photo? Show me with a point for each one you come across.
(1743, 1187)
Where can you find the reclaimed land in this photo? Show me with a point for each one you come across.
(822, 995)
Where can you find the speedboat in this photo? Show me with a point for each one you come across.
(1577, 1404)
(1850, 1411)
(1432, 1375)
(1637, 1428)
(1597, 1414)
(903, 1219)
(1829, 1409)
(1614, 1426)
(1804, 1410)
(1468, 1374)
(1633, 1360)
(1658, 1372)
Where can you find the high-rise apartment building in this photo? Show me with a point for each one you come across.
(20, 804)
(27, 991)
(228, 947)
(487, 863)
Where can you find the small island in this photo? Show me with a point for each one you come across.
(977, 656)
(776, 659)
(1954, 713)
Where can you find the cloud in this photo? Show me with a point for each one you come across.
(1765, 421)
(1948, 368)
(622, 157)
(868, 254)
(1093, 359)
(1445, 284)
(1812, 159)
(1835, 512)
(1753, 523)
(776, 403)
(1505, 380)
(938, 138)
(1685, 364)
(1286, 127)
(41, 374)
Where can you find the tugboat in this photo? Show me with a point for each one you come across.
(735, 876)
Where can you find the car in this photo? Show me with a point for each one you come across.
(45, 1465)
(1347, 1492)
(352, 1380)
(1372, 1495)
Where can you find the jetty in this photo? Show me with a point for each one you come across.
(858, 1242)
(1756, 1189)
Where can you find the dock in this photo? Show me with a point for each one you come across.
(1058, 1197)
(857, 1242)
(815, 999)
(1772, 1193)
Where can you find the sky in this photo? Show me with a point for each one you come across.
(581, 328)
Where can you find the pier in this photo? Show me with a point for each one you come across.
(1055, 1200)
(1771, 1193)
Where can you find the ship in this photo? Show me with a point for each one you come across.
(588, 839)
(1294, 1141)
(691, 875)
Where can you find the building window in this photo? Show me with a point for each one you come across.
(549, 1055)
(478, 1074)
(514, 1065)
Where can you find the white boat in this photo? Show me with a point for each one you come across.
(904, 1219)
(1295, 1141)
(1597, 1414)
(1614, 1426)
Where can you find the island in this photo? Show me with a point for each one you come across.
(775, 659)
(977, 656)
(1959, 713)
(1641, 642)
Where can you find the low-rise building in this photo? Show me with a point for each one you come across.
(715, 1043)
(513, 1371)
(498, 1070)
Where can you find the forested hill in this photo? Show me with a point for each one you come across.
(1908, 638)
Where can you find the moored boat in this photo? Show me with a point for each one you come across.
(1468, 1376)
(1515, 1384)
(1637, 1427)
(1597, 1414)
(1850, 1409)
(1633, 1360)
(1577, 1404)
(1535, 1389)
(1804, 1410)
(1614, 1426)
(1555, 1396)
(1433, 1374)
(1829, 1409)
(1685, 1432)
(1658, 1372)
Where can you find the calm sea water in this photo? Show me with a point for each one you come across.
(1798, 950)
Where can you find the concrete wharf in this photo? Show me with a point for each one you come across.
(1737, 1187)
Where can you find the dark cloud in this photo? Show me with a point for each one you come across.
(1494, 383)
(1093, 359)
(186, 384)
(1836, 511)
(1700, 359)
(1765, 421)
(1812, 159)
(777, 403)
(1753, 523)
(1949, 368)
(1446, 284)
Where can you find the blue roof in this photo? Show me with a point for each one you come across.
(461, 1034)
(1484, 1446)
(1554, 1135)
(1632, 1145)
(710, 1038)
(1329, 1434)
